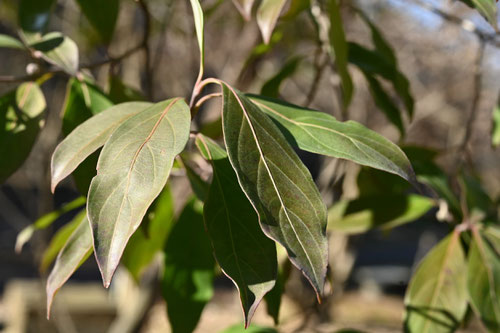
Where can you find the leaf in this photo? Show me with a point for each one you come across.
(189, 270)
(133, 168)
(273, 297)
(487, 8)
(320, 133)
(251, 329)
(272, 87)
(77, 249)
(242, 250)
(483, 281)
(267, 16)
(22, 113)
(150, 238)
(495, 129)
(436, 299)
(199, 186)
(277, 184)
(10, 42)
(45, 221)
(377, 211)
(340, 51)
(244, 7)
(33, 16)
(198, 23)
(59, 50)
(102, 15)
(88, 137)
(296, 7)
(119, 92)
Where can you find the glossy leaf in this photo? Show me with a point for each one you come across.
(33, 16)
(150, 238)
(272, 87)
(321, 133)
(340, 51)
(133, 168)
(244, 7)
(189, 270)
(267, 16)
(76, 250)
(242, 250)
(377, 211)
(102, 15)
(59, 50)
(495, 130)
(88, 137)
(22, 113)
(10, 42)
(279, 186)
(484, 281)
(436, 299)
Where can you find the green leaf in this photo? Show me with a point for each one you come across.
(273, 297)
(436, 299)
(244, 7)
(495, 129)
(296, 7)
(487, 8)
(150, 238)
(492, 234)
(272, 87)
(237, 328)
(199, 186)
(483, 282)
(377, 211)
(133, 168)
(45, 221)
(10, 42)
(321, 133)
(74, 253)
(267, 16)
(242, 250)
(22, 113)
(189, 270)
(59, 50)
(119, 92)
(33, 16)
(88, 137)
(102, 15)
(198, 23)
(340, 51)
(279, 186)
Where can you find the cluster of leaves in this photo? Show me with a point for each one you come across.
(260, 193)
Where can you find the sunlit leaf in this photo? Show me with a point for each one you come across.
(321, 133)
(76, 250)
(58, 50)
(279, 186)
(272, 87)
(189, 270)
(242, 250)
(33, 16)
(10, 42)
(102, 15)
(267, 16)
(22, 112)
(88, 137)
(436, 299)
(198, 23)
(244, 7)
(133, 168)
(495, 129)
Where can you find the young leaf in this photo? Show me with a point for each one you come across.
(88, 137)
(378, 211)
(272, 87)
(483, 282)
(242, 250)
(244, 7)
(278, 185)
(58, 50)
(102, 15)
(321, 133)
(189, 270)
(21, 117)
(495, 129)
(10, 42)
(133, 168)
(198, 23)
(76, 250)
(267, 16)
(340, 51)
(33, 17)
(436, 299)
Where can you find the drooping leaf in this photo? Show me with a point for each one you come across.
(199, 26)
(133, 168)
(279, 186)
(189, 270)
(59, 50)
(22, 114)
(483, 281)
(340, 51)
(272, 87)
(377, 211)
(76, 250)
(251, 329)
(436, 299)
(45, 221)
(321, 133)
(495, 129)
(102, 15)
(267, 16)
(149, 239)
(244, 7)
(33, 16)
(119, 92)
(10, 42)
(242, 250)
(88, 137)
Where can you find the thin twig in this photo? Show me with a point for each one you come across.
(319, 67)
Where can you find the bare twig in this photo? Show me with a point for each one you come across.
(319, 67)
